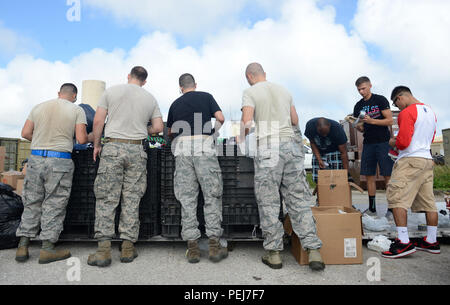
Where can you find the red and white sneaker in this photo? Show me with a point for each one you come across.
(398, 250)
(423, 245)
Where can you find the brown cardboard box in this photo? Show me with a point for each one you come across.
(11, 178)
(339, 229)
(24, 170)
(333, 188)
(19, 187)
(2, 158)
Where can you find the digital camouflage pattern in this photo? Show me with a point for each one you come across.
(121, 177)
(46, 194)
(197, 166)
(280, 168)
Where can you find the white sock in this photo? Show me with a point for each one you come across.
(403, 235)
(431, 235)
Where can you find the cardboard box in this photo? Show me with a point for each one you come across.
(11, 178)
(19, 187)
(339, 229)
(24, 170)
(2, 158)
(333, 188)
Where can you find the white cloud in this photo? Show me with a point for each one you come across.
(12, 43)
(316, 59)
(187, 18)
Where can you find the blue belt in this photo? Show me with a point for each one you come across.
(51, 154)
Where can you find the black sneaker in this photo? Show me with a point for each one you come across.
(423, 245)
(398, 250)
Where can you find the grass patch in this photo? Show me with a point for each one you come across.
(310, 180)
(442, 177)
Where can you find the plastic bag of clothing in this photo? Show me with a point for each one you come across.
(375, 224)
(379, 244)
(11, 209)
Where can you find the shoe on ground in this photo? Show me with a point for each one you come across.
(101, 258)
(315, 260)
(50, 256)
(128, 252)
(423, 245)
(398, 250)
(273, 259)
(216, 251)
(193, 252)
(370, 213)
(22, 254)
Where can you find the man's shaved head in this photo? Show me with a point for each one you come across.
(68, 89)
(254, 69)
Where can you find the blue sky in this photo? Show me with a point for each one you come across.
(316, 54)
(45, 22)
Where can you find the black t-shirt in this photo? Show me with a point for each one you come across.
(185, 108)
(329, 143)
(374, 107)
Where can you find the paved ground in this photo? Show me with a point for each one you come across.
(164, 263)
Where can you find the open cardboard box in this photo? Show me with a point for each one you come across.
(333, 187)
(340, 230)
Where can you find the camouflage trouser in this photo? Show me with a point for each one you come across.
(281, 168)
(46, 194)
(190, 172)
(121, 178)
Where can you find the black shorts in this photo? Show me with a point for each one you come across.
(373, 155)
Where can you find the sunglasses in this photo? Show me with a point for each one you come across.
(395, 100)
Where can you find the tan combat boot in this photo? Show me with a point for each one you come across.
(128, 253)
(273, 259)
(102, 258)
(48, 253)
(216, 251)
(22, 254)
(315, 260)
(193, 252)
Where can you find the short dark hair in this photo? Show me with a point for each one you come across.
(139, 73)
(187, 81)
(69, 88)
(399, 90)
(362, 80)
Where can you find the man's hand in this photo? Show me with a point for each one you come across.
(321, 164)
(97, 151)
(368, 120)
(392, 142)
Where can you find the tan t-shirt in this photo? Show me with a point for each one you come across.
(54, 125)
(130, 109)
(272, 104)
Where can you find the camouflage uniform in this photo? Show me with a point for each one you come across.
(196, 164)
(280, 166)
(46, 194)
(121, 177)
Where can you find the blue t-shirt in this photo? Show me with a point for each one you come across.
(329, 143)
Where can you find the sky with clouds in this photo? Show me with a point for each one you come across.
(315, 48)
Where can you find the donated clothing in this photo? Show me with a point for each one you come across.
(54, 125)
(272, 104)
(417, 125)
(329, 143)
(373, 108)
(184, 111)
(130, 109)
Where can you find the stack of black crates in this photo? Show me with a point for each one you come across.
(239, 207)
(80, 216)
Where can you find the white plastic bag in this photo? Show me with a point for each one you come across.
(379, 244)
(375, 224)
